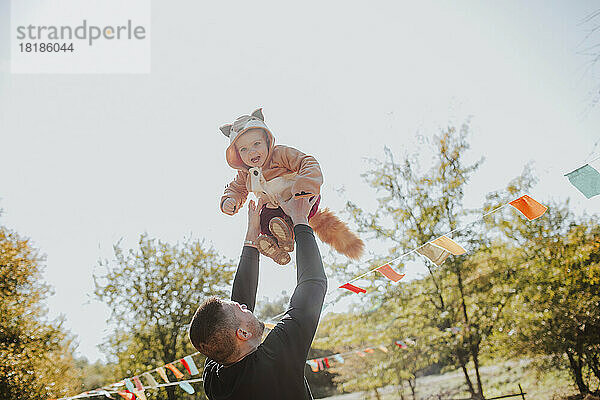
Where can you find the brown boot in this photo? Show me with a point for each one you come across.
(283, 233)
(268, 247)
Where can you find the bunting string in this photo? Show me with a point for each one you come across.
(525, 204)
(112, 391)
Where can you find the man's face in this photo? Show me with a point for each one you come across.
(252, 148)
(247, 319)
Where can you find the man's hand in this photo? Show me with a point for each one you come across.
(229, 206)
(254, 220)
(297, 208)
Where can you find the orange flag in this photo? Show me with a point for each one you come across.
(389, 273)
(369, 350)
(175, 371)
(529, 207)
(353, 288)
(448, 244)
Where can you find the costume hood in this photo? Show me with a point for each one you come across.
(237, 129)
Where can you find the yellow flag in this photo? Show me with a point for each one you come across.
(435, 254)
(450, 245)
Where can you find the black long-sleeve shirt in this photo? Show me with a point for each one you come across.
(276, 369)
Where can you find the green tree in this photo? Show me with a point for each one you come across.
(36, 360)
(152, 292)
(462, 300)
(558, 308)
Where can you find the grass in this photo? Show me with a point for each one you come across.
(498, 379)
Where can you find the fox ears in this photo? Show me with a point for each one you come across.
(258, 114)
(226, 129)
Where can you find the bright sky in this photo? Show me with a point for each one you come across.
(88, 159)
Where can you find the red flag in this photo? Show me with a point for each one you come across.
(400, 344)
(369, 350)
(326, 362)
(529, 207)
(389, 273)
(353, 288)
(185, 365)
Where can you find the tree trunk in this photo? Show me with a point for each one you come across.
(576, 371)
(472, 347)
(412, 382)
(377, 394)
(463, 366)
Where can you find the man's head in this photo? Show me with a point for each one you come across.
(247, 128)
(225, 331)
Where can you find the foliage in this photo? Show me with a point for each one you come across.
(152, 292)
(452, 311)
(558, 312)
(36, 359)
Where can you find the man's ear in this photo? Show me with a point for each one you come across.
(243, 334)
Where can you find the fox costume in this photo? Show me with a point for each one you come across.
(285, 172)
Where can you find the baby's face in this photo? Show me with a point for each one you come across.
(252, 148)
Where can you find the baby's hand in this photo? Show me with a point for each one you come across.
(229, 206)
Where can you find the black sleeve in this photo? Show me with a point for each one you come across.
(298, 326)
(245, 282)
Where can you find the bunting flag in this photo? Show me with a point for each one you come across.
(140, 394)
(529, 207)
(187, 387)
(449, 245)
(313, 365)
(150, 379)
(383, 348)
(389, 273)
(410, 341)
(353, 288)
(269, 325)
(126, 394)
(128, 384)
(586, 179)
(360, 353)
(369, 350)
(163, 374)
(190, 365)
(434, 253)
(138, 383)
(175, 371)
(320, 363)
(400, 344)
(338, 358)
(326, 362)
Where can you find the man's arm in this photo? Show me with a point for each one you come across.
(245, 282)
(302, 317)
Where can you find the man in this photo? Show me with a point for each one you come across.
(238, 366)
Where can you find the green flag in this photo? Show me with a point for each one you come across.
(586, 179)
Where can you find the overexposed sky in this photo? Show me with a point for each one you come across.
(88, 159)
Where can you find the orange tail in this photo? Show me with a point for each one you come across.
(336, 233)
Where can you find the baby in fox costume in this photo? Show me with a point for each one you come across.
(276, 173)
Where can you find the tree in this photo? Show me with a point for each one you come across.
(558, 279)
(463, 299)
(36, 360)
(152, 292)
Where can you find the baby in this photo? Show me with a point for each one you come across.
(272, 172)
